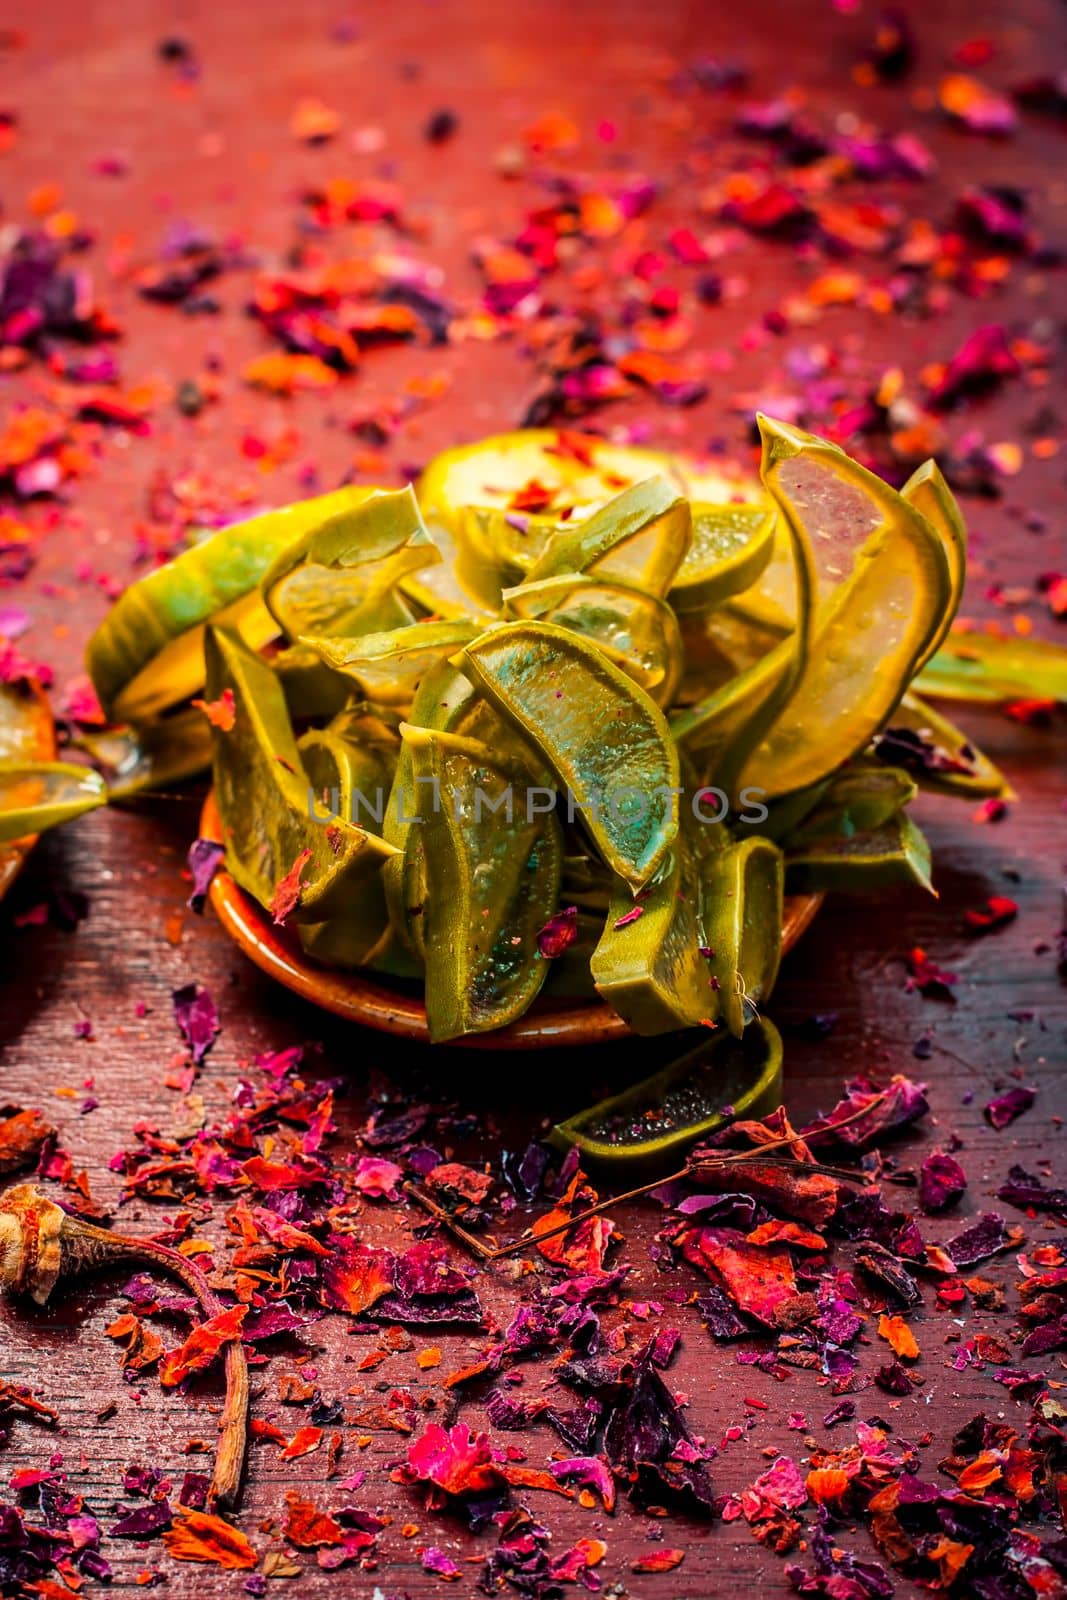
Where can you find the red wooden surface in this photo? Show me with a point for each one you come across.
(86, 81)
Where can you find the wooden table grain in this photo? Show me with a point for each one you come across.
(86, 81)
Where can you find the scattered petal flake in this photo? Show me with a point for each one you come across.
(659, 1561)
(941, 1181)
(201, 1536)
(1009, 1105)
(454, 1459)
(202, 1347)
(204, 860)
(760, 1280)
(196, 1016)
(23, 1135)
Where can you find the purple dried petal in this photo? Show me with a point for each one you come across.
(988, 1235)
(1009, 1105)
(1028, 1192)
(143, 1522)
(941, 1181)
(204, 859)
(1049, 1336)
(984, 360)
(196, 1016)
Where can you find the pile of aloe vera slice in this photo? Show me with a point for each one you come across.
(565, 713)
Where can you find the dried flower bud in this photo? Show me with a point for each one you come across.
(40, 1244)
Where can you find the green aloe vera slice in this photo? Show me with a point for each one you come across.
(342, 577)
(658, 1119)
(887, 596)
(990, 668)
(606, 742)
(493, 874)
(895, 852)
(271, 820)
(649, 963)
(37, 795)
(640, 537)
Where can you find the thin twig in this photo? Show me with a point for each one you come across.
(484, 1251)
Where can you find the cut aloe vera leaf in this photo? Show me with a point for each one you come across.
(492, 882)
(742, 898)
(992, 668)
(656, 1121)
(858, 799)
(342, 577)
(642, 537)
(147, 653)
(154, 755)
(897, 852)
(730, 548)
(887, 596)
(352, 780)
(38, 795)
(931, 496)
(649, 964)
(388, 667)
(562, 473)
(272, 825)
(606, 742)
(637, 631)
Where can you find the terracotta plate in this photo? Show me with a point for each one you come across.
(397, 1008)
(27, 733)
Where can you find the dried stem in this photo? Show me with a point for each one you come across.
(233, 1424)
(478, 1247)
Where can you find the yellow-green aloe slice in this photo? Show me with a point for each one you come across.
(764, 612)
(272, 824)
(351, 780)
(388, 667)
(859, 799)
(495, 550)
(446, 701)
(27, 734)
(342, 576)
(348, 777)
(642, 536)
(147, 653)
(742, 895)
(493, 873)
(887, 597)
(931, 496)
(605, 740)
(578, 471)
(991, 668)
(440, 590)
(944, 758)
(650, 963)
(353, 940)
(729, 724)
(717, 646)
(37, 795)
(684, 1103)
(896, 852)
(638, 631)
(730, 548)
